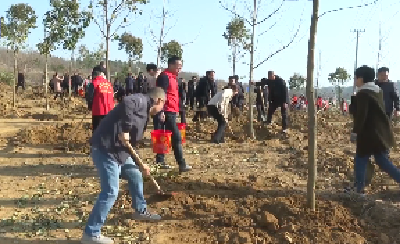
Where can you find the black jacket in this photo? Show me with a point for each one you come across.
(141, 85)
(182, 94)
(190, 90)
(202, 88)
(278, 92)
(390, 96)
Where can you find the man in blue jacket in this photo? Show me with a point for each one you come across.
(390, 96)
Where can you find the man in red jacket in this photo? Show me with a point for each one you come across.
(167, 118)
(103, 99)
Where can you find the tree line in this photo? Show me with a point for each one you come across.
(65, 25)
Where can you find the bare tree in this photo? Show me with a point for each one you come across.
(253, 23)
(110, 12)
(159, 40)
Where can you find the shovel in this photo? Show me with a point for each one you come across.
(160, 195)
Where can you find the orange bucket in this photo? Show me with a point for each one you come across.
(80, 92)
(182, 130)
(161, 140)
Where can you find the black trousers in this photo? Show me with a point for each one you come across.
(96, 119)
(200, 113)
(190, 101)
(271, 110)
(183, 116)
(219, 135)
(260, 112)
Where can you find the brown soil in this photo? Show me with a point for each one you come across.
(243, 191)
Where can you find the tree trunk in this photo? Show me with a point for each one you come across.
(234, 58)
(15, 82)
(160, 42)
(70, 75)
(108, 36)
(312, 129)
(130, 65)
(45, 84)
(251, 114)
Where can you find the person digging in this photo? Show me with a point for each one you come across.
(111, 142)
(218, 108)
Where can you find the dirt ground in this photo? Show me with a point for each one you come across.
(244, 191)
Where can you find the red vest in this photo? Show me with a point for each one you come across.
(172, 98)
(103, 98)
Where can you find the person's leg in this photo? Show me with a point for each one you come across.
(183, 116)
(176, 140)
(360, 169)
(219, 136)
(270, 112)
(158, 125)
(258, 112)
(382, 160)
(191, 103)
(284, 117)
(108, 171)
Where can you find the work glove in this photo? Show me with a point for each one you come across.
(353, 137)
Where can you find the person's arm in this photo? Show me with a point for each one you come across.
(128, 118)
(361, 112)
(396, 102)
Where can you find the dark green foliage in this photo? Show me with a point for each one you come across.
(170, 49)
(133, 46)
(19, 21)
(297, 82)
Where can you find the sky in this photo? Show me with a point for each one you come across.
(200, 26)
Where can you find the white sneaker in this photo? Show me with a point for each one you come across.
(96, 239)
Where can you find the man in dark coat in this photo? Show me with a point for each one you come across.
(191, 92)
(206, 89)
(21, 81)
(372, 129)
(130, 84)
(141, 84)
(182, 98)
(390, 95)
(278, 96)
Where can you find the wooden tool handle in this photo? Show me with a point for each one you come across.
(139, 162)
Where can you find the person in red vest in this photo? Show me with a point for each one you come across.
(344, 106)
(103, 98)
(319, 103)
(294, 102)
(166, 119)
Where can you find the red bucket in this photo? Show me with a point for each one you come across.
(80, 92)
(182, 130)
(161, 140)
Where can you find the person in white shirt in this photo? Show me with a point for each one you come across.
(218, 108)
(153, 73)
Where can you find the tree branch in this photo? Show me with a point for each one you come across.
(187, 43)
(272, 26)
(101, 29)
(269, 16)
(113, 15)
(279, 50)
(234, 13)
(339, 9)
(168, 30)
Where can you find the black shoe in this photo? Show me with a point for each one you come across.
(163, 165)
(184, 168)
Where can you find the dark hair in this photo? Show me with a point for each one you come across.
(270, 72)
(172, 60)
(383, 69)
(194, 77)
(366, 73)
(96, 73)
(150, 67)
(101, 62)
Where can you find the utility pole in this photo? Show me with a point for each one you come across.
(358, 32)
(380, 49)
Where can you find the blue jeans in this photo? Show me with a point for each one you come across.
(176, 140)
(382, 160)
(109, 172)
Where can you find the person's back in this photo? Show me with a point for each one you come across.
(372, 126)
(106, 135)
(103, 96)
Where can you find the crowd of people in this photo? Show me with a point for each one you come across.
(160, 96)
